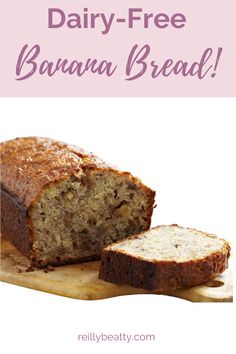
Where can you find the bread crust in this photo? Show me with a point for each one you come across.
(28, 166)
(161, 276)
(15, 221)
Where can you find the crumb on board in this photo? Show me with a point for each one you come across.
(30, 269)
(48, 269)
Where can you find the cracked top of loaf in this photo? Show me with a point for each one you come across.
(41, 161)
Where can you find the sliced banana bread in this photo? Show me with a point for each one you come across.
(165, 258)
(61, 204)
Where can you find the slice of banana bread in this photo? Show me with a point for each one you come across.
(61, 204)
(165, 258)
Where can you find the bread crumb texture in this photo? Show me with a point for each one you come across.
(171, 243)
(80, 216)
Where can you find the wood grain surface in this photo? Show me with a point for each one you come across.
(80, 281)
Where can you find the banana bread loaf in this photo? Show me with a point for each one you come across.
(165, 258)
(61, 204)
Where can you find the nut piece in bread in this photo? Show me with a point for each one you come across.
(165, 258)
(61, 204)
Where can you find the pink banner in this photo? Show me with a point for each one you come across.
(118, 48)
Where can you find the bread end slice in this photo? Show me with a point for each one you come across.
(165, 258)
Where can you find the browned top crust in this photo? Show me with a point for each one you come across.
(29, 164)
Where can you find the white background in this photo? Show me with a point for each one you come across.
(183, 148)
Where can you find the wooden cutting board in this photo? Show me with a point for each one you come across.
(81, 281)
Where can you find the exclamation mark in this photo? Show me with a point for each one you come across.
(217, 61)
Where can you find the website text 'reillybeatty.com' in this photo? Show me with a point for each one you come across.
(115, 337)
